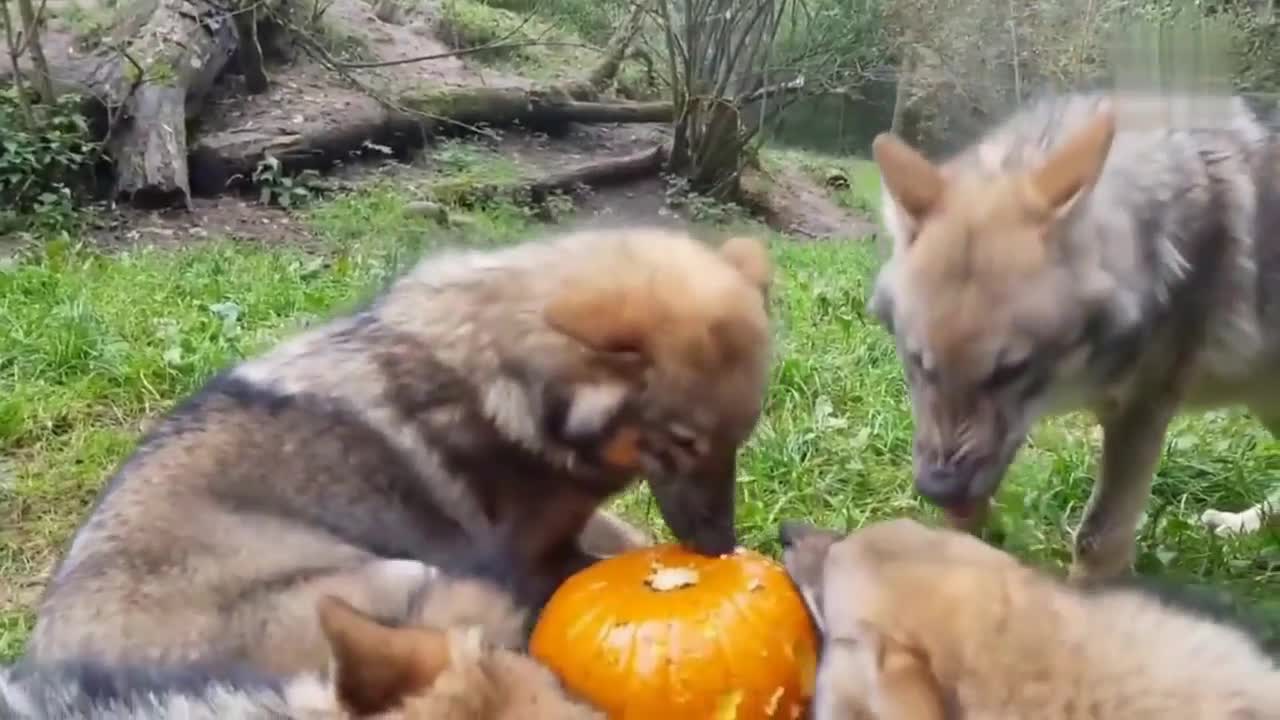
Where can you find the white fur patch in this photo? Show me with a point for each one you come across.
(815, 610)
(506, 404)
(593, 406)
(308, 694)
(14, 698)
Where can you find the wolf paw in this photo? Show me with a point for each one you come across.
(1229, 523)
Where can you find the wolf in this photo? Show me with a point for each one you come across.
(1107, 252)
(450, 659)
(922, 623)
(472, 417)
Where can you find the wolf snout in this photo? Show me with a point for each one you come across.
(713, 541)
(945, 486)
(790, 532)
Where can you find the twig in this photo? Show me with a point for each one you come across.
(1017, 70)
(319, 53)
(113, 114)
(775, 89)
(25, 36)
(19, 89)
(457, 53)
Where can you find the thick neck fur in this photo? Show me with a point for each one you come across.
(1110, 654)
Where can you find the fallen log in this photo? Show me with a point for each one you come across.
(161, 75)
(601, 173)
(538, 190)
(545, 109)
(228, 158)
(568, 181)
(146, 80)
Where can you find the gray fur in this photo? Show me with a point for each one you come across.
(60, 694)
(1158, 294)
(933, 624)
(427, 429)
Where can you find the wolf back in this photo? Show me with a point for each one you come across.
(477, 413)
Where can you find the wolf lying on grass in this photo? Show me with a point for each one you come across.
(1118, 254)
(928, 624)
(451, 660)
(475, 415)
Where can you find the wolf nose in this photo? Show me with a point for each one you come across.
(943, 486)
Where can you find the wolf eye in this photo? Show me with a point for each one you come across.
(1007, 372)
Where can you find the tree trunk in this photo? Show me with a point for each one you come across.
(229, 157)
(616, 51)
(151, 88)
(708, 148)
(31, 38)
(249, 53)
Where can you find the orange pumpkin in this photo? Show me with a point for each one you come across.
(662, 633)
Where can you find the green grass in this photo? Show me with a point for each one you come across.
(461, 168)
(91, 346)
(592, 19)
(863, 192)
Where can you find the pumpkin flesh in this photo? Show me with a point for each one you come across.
(664, 633)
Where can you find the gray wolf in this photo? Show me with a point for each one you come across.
(921, 623)
(473, 417)
(1118, 254)
(450, 660)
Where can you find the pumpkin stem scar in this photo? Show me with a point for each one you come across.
(664, 579)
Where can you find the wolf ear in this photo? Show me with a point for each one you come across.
(1074, 166)
(751, 258)
(805, 549)
(618, 324)
(376, 667)
(607, 319)
(912, 182)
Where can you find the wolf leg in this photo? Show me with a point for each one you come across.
(281, 629)
(1132, 442)
(1253, 519)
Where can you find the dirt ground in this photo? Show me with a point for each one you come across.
(304, 95)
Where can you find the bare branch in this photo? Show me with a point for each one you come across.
(458, 53)
(12, 44)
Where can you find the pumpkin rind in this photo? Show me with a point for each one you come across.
(664, 633)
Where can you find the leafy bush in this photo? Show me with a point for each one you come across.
(538, 45)
(45, 151)
(594, 20)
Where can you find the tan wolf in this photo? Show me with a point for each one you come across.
(451, 660)
(1112, 253)
(472, 417)
(931, 624)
